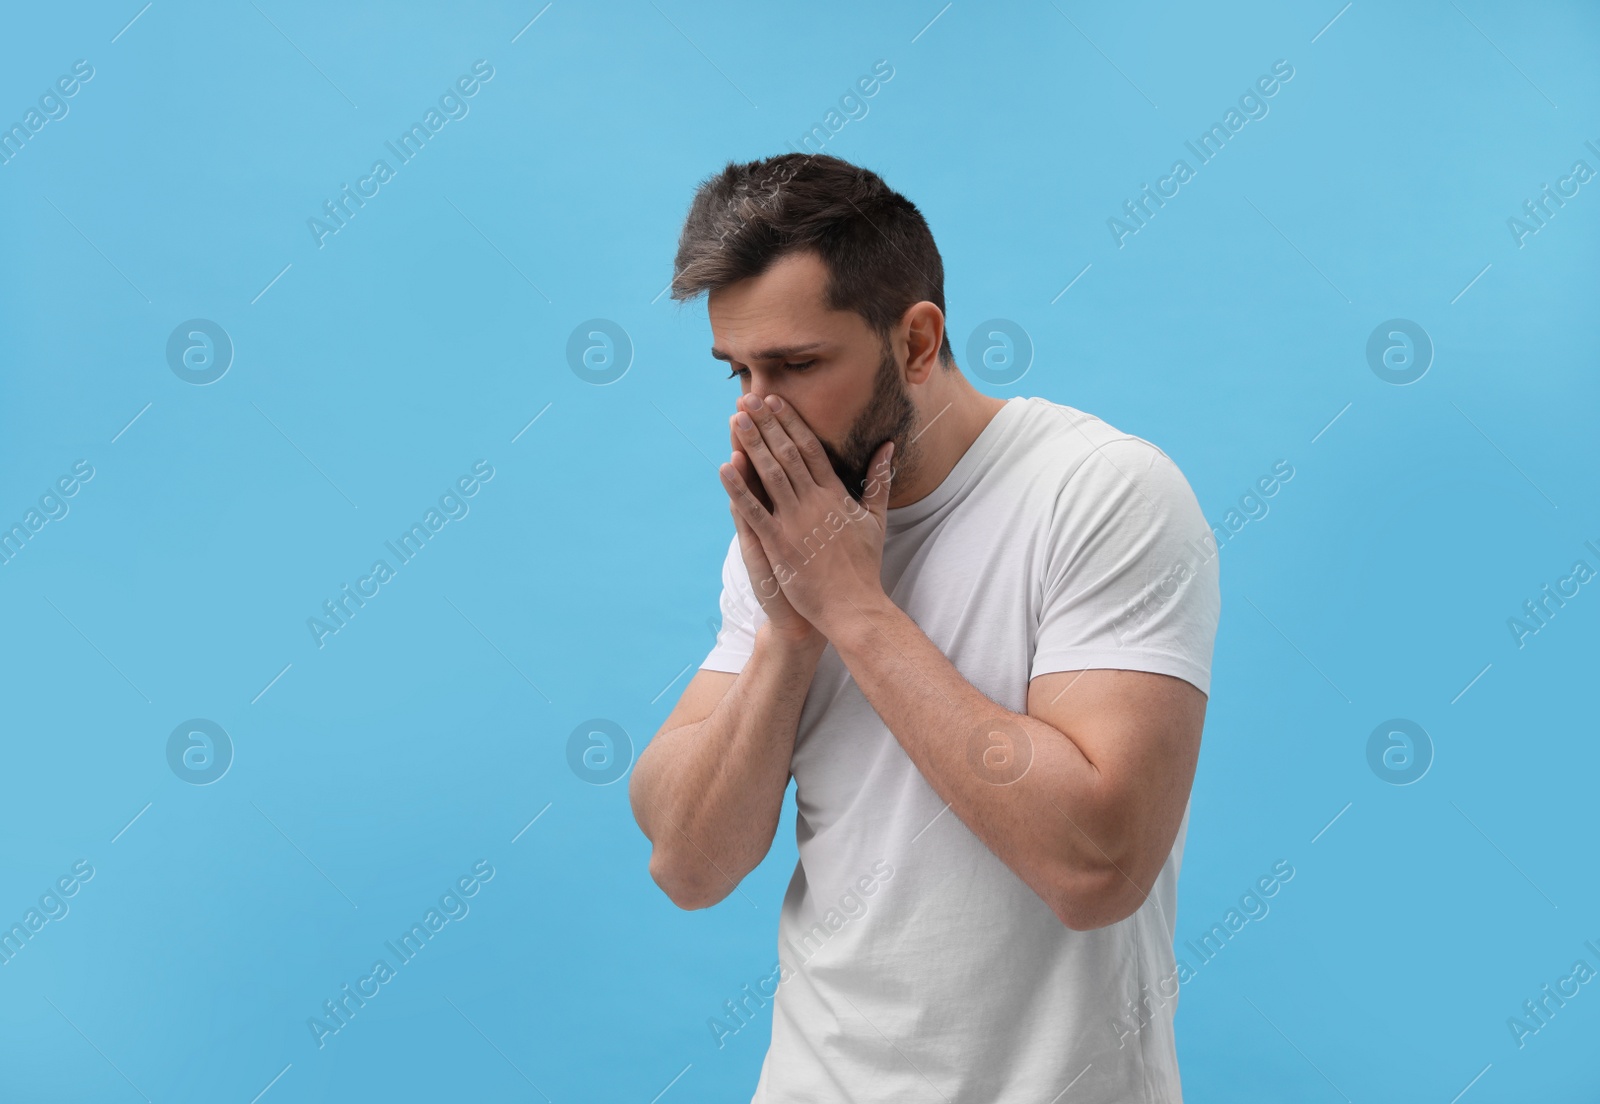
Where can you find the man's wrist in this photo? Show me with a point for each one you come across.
(805, 649)
(857, 622)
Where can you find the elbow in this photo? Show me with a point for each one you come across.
(1096, 898)
(668, 870)
(687, 893)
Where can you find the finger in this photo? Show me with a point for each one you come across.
(746, 503)
(781, 444)
(757, 566)
(747, 472)
(766, 464)
(875, 496)
(748, 541)
(811, 451)
(761, 521)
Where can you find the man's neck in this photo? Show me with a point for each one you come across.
(951, 424)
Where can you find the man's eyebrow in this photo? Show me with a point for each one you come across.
(781, 352)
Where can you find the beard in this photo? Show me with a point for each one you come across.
(889, 415)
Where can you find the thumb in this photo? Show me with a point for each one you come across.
(875, 497)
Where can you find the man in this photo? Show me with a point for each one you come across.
(977, 632)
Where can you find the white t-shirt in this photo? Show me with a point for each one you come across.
(913, 964)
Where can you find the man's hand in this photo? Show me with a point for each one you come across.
(823, 549)
(781, 616)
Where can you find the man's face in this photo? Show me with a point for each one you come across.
(837, 374)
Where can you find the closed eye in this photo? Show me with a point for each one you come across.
(796, 366)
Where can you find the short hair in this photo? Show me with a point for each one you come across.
(875, 244)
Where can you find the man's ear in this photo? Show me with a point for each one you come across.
(924, 333)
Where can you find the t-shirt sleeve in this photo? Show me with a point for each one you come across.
(742, 615)
(1131, 579)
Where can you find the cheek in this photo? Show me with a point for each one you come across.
(833, 405)
(819, 408)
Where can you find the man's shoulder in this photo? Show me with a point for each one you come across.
(1063, 440)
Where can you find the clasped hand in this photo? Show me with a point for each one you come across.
(814, 553)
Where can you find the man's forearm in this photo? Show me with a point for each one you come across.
(1022, 786)
(712, 792)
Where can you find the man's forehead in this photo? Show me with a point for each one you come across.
(781, 313)
(770, 327)
(790, 287)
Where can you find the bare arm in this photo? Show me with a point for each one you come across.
(1081, 795)
(708, 790)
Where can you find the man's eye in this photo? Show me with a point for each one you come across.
(795, 366)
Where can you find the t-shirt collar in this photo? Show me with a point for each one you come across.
(971, 462)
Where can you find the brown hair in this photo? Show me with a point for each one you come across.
(876, 245)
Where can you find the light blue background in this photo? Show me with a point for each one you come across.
(431, 330)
